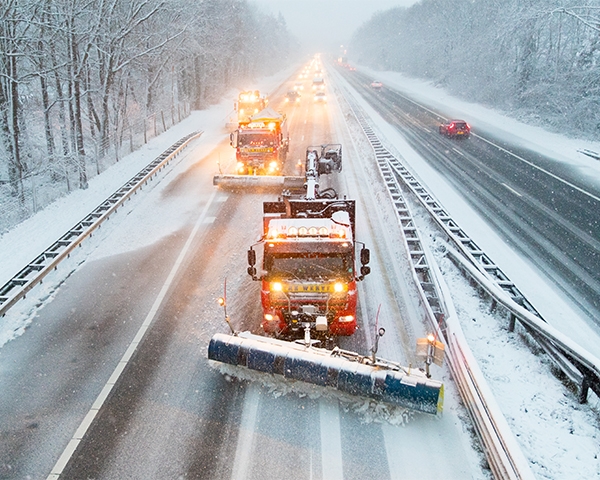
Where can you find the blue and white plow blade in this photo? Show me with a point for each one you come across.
(344, 371)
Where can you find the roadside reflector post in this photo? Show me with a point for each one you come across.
(221, 301)
(430, 351)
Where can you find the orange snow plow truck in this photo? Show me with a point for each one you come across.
(261, 144)
(309, 270)
(249, 103)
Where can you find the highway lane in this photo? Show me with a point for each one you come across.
(540, 207)
(195, 424)
(51, 375)
(205, 416)
(171, 415)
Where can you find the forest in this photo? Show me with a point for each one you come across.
(84, 82)
(537, 60)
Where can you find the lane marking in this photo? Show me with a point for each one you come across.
(512, 190)
(68, 452)
(243, 452)
(331, 440)
(537, 167)
(556, 177)
(458, 151)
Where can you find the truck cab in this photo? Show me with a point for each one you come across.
(309, 271)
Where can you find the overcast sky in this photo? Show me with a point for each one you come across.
(323, 25)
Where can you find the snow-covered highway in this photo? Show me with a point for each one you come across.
(170, 414)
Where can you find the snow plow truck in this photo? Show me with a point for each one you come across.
(249, 103)
(261, 144)
(309, 268)
(309, 276)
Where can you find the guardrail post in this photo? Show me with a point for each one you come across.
(583, 389)
(511, 322)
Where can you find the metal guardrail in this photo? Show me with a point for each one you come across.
(502, 451)
(35, 271)
(579, 366)
(582, 368)
(590, 153)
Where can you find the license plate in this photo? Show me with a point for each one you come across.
(309, 288)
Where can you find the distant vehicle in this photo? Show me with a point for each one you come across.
(376, 85)
(249, 103)
(299, 86)
(455, 128)
(318, 83)
(320, 97)
(352, 69)
(292, 96)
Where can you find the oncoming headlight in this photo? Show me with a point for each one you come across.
(276, 287)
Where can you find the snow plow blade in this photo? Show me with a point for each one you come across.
(338, 369)
(258, 182)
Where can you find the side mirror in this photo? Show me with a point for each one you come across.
(251, 257)
(252, 272)
(365, 255)
(364, 271)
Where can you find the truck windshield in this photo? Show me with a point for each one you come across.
(309, 266)
(255, 139)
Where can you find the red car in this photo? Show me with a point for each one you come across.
(455, 128)
(376, 85)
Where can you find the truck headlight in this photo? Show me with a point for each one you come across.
(346, 318)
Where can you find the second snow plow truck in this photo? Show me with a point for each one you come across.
(249, 103)
(309, 278)
(261, 144)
